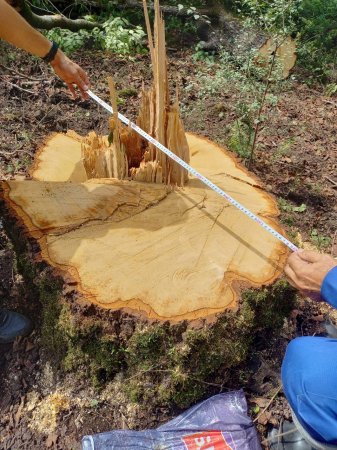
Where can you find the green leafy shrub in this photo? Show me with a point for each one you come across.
(116, 35)
(317, 26)
(276, 16)
(68, 40)
(312, 22)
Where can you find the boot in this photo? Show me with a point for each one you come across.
(330, 330)
(12, 325)
(287, 437)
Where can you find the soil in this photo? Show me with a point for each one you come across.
(43, 407)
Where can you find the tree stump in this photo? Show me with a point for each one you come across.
(143, 279)
(166, 253)
(151, 281)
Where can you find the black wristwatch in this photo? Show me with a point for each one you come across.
(52, 53)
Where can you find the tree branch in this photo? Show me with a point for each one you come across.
(47, 22)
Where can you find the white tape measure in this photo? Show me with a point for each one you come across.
(195, 173)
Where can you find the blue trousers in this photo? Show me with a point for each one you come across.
(309, 376)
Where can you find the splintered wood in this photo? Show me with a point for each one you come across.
(127, 155)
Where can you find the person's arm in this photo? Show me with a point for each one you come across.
(15, 30)
(314, 272)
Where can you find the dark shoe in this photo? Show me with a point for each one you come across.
(287, 437)
(13, 325)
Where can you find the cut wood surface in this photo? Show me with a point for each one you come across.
(166, 253)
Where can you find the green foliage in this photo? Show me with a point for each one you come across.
(193, 13)
(317, 30)
(331, 90)
(241, 74)
(240, 139)
(288, 207)
(68, 40)
(319, 240)
(201, 55)
(318, 19)
(117, 36)
(274, 16)
(312, 22)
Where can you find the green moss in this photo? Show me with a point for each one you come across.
(270, 305)
(53, 335)
(128, 92)
(147, 346)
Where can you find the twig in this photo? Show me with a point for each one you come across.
(330, 103)
(20, 88)
(19, 73)
(12, 154)
(41, 120)
(331, 181)
(262, 104)
(269, 403)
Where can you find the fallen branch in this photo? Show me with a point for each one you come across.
(47, 22)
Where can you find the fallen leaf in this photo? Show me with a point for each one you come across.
(51, 440)
(264, 418)
(261, 401)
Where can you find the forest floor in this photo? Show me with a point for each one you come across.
(296, 159)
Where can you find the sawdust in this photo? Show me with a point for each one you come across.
(46, 413)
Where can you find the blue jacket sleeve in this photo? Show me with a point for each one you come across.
(329, 287)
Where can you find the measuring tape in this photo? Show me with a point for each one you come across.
(195, 173)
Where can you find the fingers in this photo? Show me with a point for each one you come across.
(82, 82)
(84, 78)
(291, 276)
(72, 90)
(295, 262)
(309, 256)
(71, 73)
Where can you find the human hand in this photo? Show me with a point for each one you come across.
(306, 270)
(71, 73)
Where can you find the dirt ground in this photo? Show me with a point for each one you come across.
(43, 407)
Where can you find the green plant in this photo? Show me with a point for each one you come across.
(282, 150)
(117, 35)
(240, 138)
(312, 22)
(192, 12)
(274, 16)
(319, 240)
(201, 55)
(288, 207)
(331, 89)
(68, 40)
(318, 34)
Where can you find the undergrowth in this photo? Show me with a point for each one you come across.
(117, 35)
